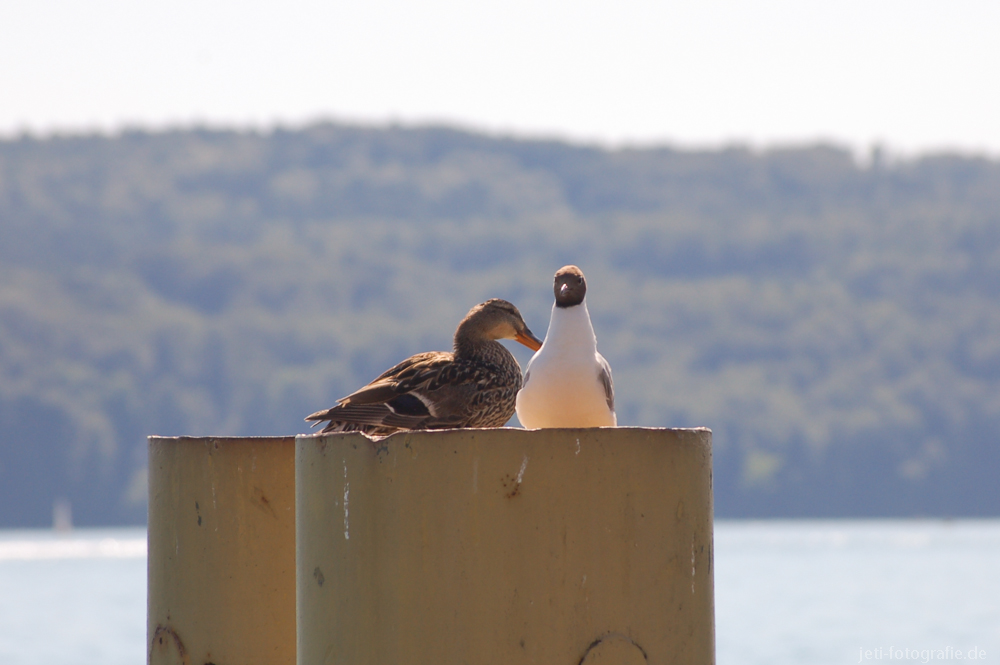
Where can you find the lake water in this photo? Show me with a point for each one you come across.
(787, 592)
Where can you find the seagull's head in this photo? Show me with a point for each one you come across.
(570, 286)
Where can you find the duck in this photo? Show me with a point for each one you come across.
(474, 385)
(568, 382)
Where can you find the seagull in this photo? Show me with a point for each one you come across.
(473, 386)
(568, 383)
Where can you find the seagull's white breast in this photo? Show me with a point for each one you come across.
(564, 386)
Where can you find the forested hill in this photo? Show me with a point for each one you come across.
(837, 326)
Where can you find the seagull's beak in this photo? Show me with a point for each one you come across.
(528, 339)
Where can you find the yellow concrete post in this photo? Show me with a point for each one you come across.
(221, 567)
(563, 546)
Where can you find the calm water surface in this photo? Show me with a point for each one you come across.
(787, 592)
(828, 592)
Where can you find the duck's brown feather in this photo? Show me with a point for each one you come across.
(432, 390)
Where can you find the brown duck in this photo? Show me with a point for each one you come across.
(473, 386)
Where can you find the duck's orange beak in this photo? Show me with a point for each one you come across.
(528, 339)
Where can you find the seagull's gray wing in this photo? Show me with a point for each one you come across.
(609, 385)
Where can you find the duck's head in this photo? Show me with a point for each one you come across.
(496, 319)
(570, 286)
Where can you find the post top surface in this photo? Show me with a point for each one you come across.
(227, 439)
(518, 430)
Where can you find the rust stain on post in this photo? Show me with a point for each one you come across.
(163, 639)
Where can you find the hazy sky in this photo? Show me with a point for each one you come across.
(914, 75)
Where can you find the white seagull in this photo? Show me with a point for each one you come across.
(568, 383)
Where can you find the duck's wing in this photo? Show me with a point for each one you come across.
(400, 379)
(412, 395)
(403, 412)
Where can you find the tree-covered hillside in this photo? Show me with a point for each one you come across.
(837, 326)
